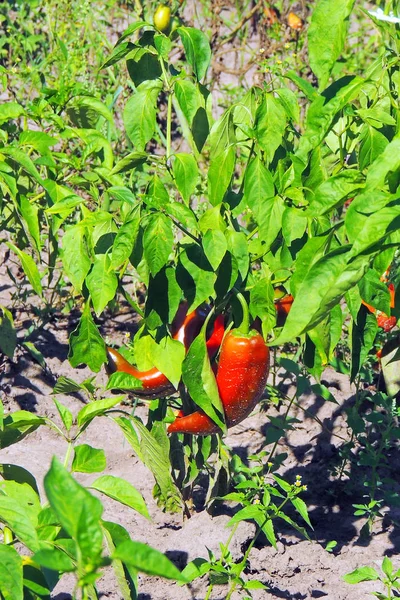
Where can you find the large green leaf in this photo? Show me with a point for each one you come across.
(270, 125)
(30, 268)
(8, 335)
(11, 585)
(186, 173)
(122, 491)
(88, 460)
(327, 35)
(333, 191)
(101, 282)
(22, 522)
(78, 511)
(147, 560)
(220, 174)
(158, 241)
(189, 98)
(140, 113)
(321, 289)
(76, 261)
(199, 379)
(258, 184)
(86, 344)
(322, 112)
(197, 49)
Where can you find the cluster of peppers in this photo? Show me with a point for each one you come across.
(241, 371)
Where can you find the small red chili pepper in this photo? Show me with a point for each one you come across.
(241, 378)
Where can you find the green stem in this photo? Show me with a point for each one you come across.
(169, 124)
(245, 325)
(68, 454)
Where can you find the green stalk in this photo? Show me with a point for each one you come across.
(245, 325)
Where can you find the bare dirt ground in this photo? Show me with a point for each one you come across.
(299, 569)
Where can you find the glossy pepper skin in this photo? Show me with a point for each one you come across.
(283, 306)
(184, 329)
(241, 378)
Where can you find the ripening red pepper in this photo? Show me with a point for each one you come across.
(241, 378)
(283, 306)
(384, 321)
(184, 329)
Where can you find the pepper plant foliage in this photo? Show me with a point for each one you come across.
(200, 205)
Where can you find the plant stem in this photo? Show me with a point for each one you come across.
(245, 325)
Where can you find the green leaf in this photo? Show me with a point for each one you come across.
(254, 511)
(156, 193)
(270, 125)
(140, 113)
(200, 381)
(118, 53)
(143, 65)
(373, 143)
(10, 110)
(158, 241)
(258, 185)
(131, 30)
(122, 491)
(167, 357)
(197, 49)
(129, 162)
(220, 174)
(20, 157)
(78, 511)
(88, 460)
(101, 282)
(65, 414)
(154, 450)
(301, 508)
(123, 194)
(290, 103)
(195, 276)
(215, 247)
(8, 335)
(322, 112)
(269, 218)
(123, 381)
(147, 560)
(95, 105)
(11, 586)
(125, 239)
(321, 289)
(361, 574)
(196, 568)
(376, 227)
(186, 174)
(333, 191)
(86, 345)
(54, 559)
(262, 303)
(363, 336)
(386, 162)
(65, 385)
(22, 522)
(189, 98)
(30, 268)
(95, 409)
(76, 261)
(387, 566)
(327, 35)
(29, 212)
